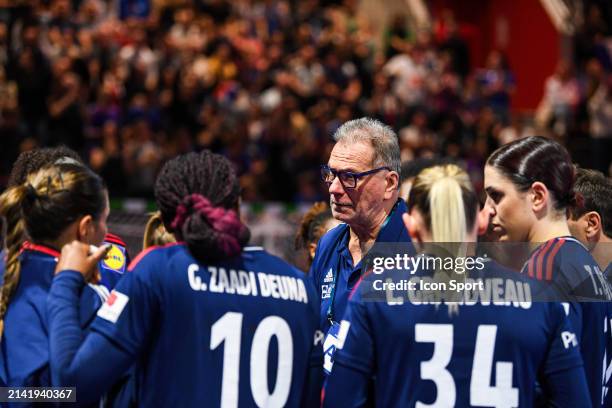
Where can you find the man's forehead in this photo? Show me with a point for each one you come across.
(357, 156)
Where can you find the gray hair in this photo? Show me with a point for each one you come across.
(382, 138)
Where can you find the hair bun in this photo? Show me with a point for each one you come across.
(30, 193)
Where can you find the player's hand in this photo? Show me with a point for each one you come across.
(76, 256)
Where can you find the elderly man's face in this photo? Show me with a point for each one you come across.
(365, 201)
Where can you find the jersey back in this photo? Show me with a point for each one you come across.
(237, 333)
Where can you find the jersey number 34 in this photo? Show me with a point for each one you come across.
(482, 394)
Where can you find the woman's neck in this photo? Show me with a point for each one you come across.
(547, 229)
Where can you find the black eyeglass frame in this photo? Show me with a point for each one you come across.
(348, 174)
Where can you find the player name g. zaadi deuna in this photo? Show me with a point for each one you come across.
(237, 282)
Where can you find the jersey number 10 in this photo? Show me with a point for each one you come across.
(482, 394)
(228, 329)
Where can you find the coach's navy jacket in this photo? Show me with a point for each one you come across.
(333, 265)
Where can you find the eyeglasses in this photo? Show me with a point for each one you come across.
(348, 179)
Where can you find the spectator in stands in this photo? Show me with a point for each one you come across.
(133, 83)
(561, 99)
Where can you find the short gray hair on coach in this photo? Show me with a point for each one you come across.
(382, 138)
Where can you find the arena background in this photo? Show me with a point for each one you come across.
(131, 83)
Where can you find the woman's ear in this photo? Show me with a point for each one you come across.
(482, 220)
(539, 196)
(85, 228)
(411, 224)
(312, 249)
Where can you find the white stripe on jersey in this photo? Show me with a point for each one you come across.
(100, 290)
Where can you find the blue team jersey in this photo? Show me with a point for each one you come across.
(24, 356)
(485, 352)
(565, 263)
(332, 270)
(240, 332)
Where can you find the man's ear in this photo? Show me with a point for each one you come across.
(593, 224)
(392, 180)
(85, 228)
(539, 196)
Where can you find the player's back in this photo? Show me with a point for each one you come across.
(236, 333)
(488, 351)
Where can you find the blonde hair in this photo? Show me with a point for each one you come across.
(155, 233)
(40, 209)
(445, 196)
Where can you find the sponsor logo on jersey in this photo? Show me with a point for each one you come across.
(329, 277)
(569, 339)
(113, 307)
(115, 259)
(326, 291)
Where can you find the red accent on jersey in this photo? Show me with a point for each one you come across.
(111, 299)
(358, 283)
(28, 246)
(114, 239)
(141, 255)
(551, 258)
(541, 259)
(532, 261)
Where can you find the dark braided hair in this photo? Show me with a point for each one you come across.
(197, 195)
(537, 158)
(31, 161)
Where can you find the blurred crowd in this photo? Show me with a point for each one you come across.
(131, 83)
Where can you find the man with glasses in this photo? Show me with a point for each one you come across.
(362, 176)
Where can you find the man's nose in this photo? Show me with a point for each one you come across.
(336, 187)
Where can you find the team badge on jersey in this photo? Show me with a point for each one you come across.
(114, 305)
(115, 259)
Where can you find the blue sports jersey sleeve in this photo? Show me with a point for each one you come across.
(129, 314)
(71, 360)
(564, 352)
(562, 375)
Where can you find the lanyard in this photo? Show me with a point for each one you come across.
(330, 308)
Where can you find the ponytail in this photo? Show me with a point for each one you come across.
(11, 202)
(448, 223)
(208, 229)
(155, 233)
(445, 197)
